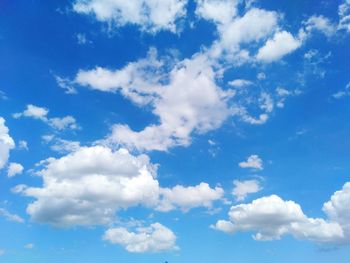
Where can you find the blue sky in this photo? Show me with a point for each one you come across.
(174, 130)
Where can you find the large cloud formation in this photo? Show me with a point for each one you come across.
(88, 187)
(272, 217)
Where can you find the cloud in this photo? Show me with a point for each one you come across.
(186, 198)
(280, 45)
(23, 145)
(344, 16)
(151, 15)
(2, 252)
(219, 11)
(253, 161)
(29, 246)
(14, 169)
(338, 209)
(187, 101)
(35, 112)
(243, 188)
(342, 93)
(271, 218)
(66, 84)
(89, 186)
(239, 83)
(321, 24)
(6, 143)
(11, 217)
(155, 238)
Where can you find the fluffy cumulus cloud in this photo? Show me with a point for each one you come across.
(150, 15)
(186, 101)
(253, 161)
(6, 143)
(155, 238)
(186, 198)
(14, 169)
(40, 113)
(241, 189)
(272, 217)
(88, 187)
(280, 45)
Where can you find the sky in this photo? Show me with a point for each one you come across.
(174, 131)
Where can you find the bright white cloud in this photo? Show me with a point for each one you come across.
(271, 218)
(280, 45)
(150, 15)
(14, 169)
(186, 198)
(253, 161)
(242, 188)
(338, 209)
(219, 11)
(6, 143)
(32, 111)
(239, 83)
(88, 187)
(189, 101)
(11, 217)
(155, 238)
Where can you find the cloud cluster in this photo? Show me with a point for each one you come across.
(39, 113)
(272, 217)
(242, 188)
(89, 186)
(150, 15)
(253, 161)
(14, 169)
(6, 143)
(155, 238)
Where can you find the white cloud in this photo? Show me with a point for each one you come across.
(271, 218)
(6, 143)
(35, 112)
(189, 101)
(65, 146)
(321, 24)
(253, 161)
(243, 188)
(338, 209)
(2, 252)
(283, 94)
(150, 15)
(155, 238)
(280, 45)
(186, 198)
(14, 169)
(342, 93)
(238, 83)
(23, 145)
(65, 84)
(255, 25)
(344, 16)
(90, 185)
(11, 217)
(220, 11)
(29, 246)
